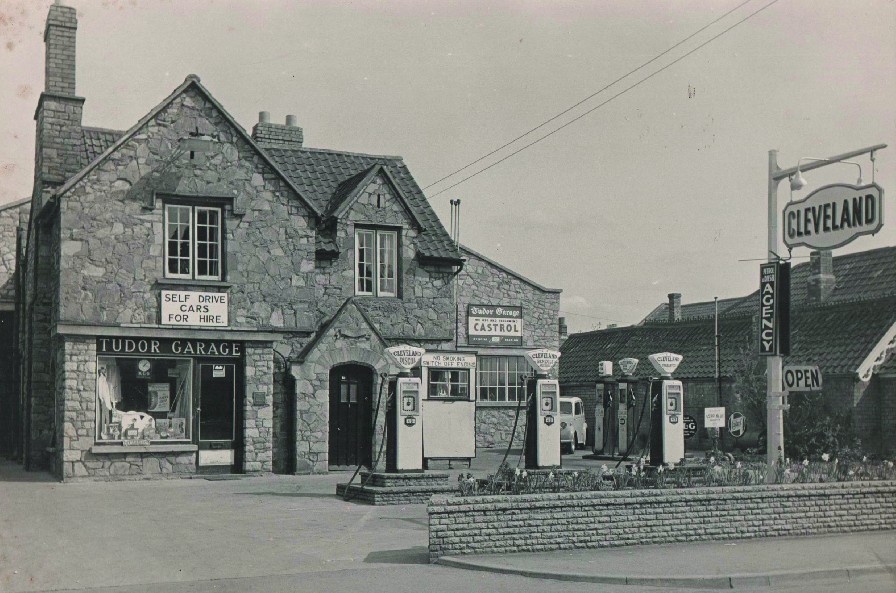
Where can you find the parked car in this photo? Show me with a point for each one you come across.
(573, 428)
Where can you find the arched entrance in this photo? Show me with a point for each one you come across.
(351, 395)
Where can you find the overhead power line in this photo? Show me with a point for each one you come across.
(591, 96)
(622, 92)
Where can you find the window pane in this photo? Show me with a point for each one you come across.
(178, 243)
(500, 378)
(208, 221)
(364, 262)
(387, 250)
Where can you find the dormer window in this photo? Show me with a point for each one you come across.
(376, 262)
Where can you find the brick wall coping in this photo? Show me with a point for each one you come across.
(448, 503)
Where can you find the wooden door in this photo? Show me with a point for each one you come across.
(351, 396)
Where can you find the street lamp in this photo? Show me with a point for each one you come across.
(775, 395)
(799, 182)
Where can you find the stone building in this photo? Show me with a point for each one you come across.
(843, 319)
(196, 298)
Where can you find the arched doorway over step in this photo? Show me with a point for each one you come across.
(351, 415)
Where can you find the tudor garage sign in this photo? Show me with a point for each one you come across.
(834, 215)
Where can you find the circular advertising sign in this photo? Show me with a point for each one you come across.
(737, 425)
(690, 426)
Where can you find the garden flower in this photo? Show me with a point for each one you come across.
(525, 474)
(551, 476)
(712, 460)
(865, 459)
(825, 456)
(603, 468)
(671, 466)
(659, 470)
(517, 472)
(739, 465)
(575, 474)
(890, 464)
(805, 463)
(850, 473)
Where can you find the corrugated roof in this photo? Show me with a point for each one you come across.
(836, 337)
(319, 174)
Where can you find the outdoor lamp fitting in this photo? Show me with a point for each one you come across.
(797, 181)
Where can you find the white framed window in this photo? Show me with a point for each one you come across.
(448, 383)
(192, 242)
(376, 262)
(501, 378)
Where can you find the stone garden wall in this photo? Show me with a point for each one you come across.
(541, 522)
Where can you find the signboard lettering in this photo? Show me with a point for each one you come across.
(406, 357)
(714, 417)
(690, 426)
(165, 346)
(774, 309)
(628, 366)
(542, 359)
(834, 215)
(206, 309)
(665, 363)
(494, 325)
(449, 360)
(802, 378)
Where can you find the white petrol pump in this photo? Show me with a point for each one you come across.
(404, 431)
(625, 403)
(667, 411)
(542, 417)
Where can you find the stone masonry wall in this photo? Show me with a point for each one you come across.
(483, 283)
(9, 223)
(113, 238)
(494, 426)
(501, 524)
(258, 415)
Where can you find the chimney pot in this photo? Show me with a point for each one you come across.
(264, 117)
(292, 121)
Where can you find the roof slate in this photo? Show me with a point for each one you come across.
(98, 140)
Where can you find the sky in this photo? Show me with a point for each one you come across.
(660, 189)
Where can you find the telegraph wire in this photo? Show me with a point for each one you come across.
(622, 92)
(592, 95)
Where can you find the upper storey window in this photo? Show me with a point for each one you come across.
(192, 242)
(376, 262)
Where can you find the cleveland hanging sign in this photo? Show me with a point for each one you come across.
(834, 215)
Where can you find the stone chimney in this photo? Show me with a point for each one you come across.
(59, 151)
(562, 330)
(674, 307)
(821, 279)
(289, 135)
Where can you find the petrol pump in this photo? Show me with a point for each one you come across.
(625, 398)
(667, 411)
(603, 412)
(404, 432)
(542, 413)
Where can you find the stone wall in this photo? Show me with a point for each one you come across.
(258, 409)
(494, 426)
(534, 523)
(112, 249)
(484, 282)
(9, 223)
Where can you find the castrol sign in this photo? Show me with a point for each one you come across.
(406, 357)
(834, 215)
(542, 360)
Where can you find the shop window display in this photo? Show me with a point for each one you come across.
(143, 400)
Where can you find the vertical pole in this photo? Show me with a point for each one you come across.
(717, 433)
(774, 412)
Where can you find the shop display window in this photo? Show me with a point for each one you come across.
(143, 400)
(449, 383)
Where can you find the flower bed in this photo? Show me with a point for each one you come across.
(713, 472)
(524, 522)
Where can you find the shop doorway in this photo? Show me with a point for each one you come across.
(217, 418)
(351, 394)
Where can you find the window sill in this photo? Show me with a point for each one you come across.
(485, 404)
(167, 448)
(189, 282)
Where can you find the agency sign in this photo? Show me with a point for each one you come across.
(834, 215)
(774, 309)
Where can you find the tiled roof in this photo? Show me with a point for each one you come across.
(858, 276)
(836, 337)
(319, 175)
(97, 140)
(692, 310)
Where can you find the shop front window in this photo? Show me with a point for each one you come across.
(143, 400)
(449, 383)
(501, 378)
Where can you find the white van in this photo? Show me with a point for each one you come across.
(573, 428)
